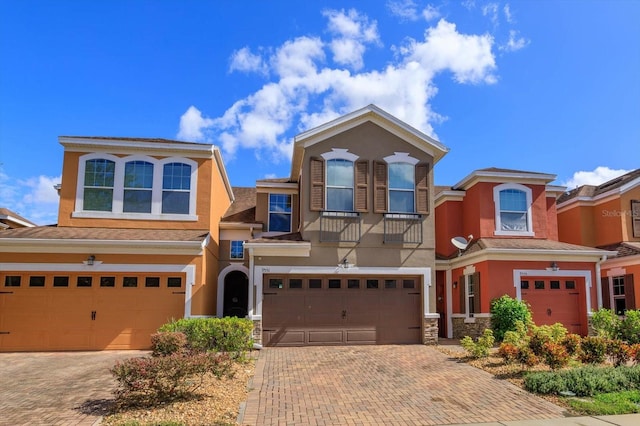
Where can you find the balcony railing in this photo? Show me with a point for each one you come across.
(403, 228)
(340, 226)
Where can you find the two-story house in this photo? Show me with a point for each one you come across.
(341, 251)
(136, 244)
(496, 234)
(607, 216)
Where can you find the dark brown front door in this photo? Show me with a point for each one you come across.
(344, 310)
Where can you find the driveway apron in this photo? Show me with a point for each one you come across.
(57, 388)
(381, 385)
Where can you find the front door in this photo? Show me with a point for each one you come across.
(236, 295)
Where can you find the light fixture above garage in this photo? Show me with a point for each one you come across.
(554, 266)
(345, 264)
(90, 260)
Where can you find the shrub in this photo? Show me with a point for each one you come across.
(518, 336)
(527, 357)
(229, 334)
(585, 381)
(618, 352)
(634, 353)
(151, 380)
(555, 355)
(629, 327)
(606, 323)
(509, 352)
(540, 335)
(572, 342)
(594, 350)
(505, 311)
(168, 343)
(479, 348)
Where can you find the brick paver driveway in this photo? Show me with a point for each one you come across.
(56, 388)
(381, 385)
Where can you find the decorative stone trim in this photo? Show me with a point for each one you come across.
(430, 331)
(257, 331)
(474, 329)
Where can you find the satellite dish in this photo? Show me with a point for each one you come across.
(461, 243)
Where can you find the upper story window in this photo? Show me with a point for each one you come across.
(513, 210)
(401, 185)
(176, 187)
(136, 187)
(340, 185)
(237, 250)
(401, 188)
(98, 184)
(279, 213)
(635, 218)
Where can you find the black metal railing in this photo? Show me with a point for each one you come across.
(340, 226)
(403, 228)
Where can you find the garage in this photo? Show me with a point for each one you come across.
(334, 310)
(83, 311)
(556, 300)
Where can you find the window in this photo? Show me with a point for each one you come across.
(84, 281)
(237, 250)
(570, 285)
(334, 283)
(340, 185)
(619, 300)
(295, 283)
(98, 184)
(130, 282)
(152, 282)
(390, 284)
(276, 283)
(174, 282)
(61, 281)
(279, 213)
(36, 281)
(353, 283)
(554, 285)
(315, 283)
(107, 281)
(538, 285)
(469, 285)
(372, 283)
(408, 284)
(471, 295)
(635, 217)
(138, 185)
(176, 187)
(524, 285)
(401, 188)
(12, 281)
(512, 204)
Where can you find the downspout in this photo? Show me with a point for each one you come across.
(599, 281)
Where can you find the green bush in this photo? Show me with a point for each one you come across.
(593, 350)
(606, 323)
(541, 335)
(168, 343)
(509, 352)
(585, 381)
(629, 327)
(572, 342)
(555, 355)
(505, 311)
(608, 404)
(229, 334)
(618, 351)
(481, 347)
(153, 380)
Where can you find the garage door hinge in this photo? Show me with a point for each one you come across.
(5, 332)
(6, 292)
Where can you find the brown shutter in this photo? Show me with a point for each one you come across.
(462, 287)
(316, 179)
(635, 217)
(476, 292)
(379, 187)
(362, 186)
(629, 292)
(422, 188)
(606, 297)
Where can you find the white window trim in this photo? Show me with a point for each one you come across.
(339, 154)
(401, 157)
(269, 232)
(118, 189)
(467, 273)
(496, 200)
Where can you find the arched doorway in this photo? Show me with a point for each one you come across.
(236, 295)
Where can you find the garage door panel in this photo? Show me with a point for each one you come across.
(285, 337)
(361, 336)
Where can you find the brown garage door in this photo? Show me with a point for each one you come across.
(332, 310)
(556, 300)
(57, 311)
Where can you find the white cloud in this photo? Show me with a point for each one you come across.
(315, 80)
(42, 190)
(507, 13)
(491, 10)
(33, 198)
(192, 124)
(595, 177)
(430, 13)
(244, 60)
(515, 42)
(404, 9)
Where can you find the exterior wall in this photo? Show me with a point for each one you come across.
(461, 328)
(552, 219)
(622, 266)
(576, 225)
(608, 222)
(262, 208)
(208, 189)
(448, 222)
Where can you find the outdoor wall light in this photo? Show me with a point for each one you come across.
(554, 266)
(90, 260)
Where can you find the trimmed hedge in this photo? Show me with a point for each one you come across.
(229, 334)
(585, 381)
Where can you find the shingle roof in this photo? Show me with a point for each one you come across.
(501, 170)
(130, 139)
(284, 238)
(276, 180)
(107, 234)
(524, 244)
(624, 249)
(593, 190)
(243, 208)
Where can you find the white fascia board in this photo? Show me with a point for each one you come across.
(554, 191)
(279, 249)
(223, 172)
(449, 195)
(123, 146)
(266, 186)
(16, 220)
(621, 261)
(505, 177)
(531, 255)
(36, 245)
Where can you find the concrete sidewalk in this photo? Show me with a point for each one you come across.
(620, 420)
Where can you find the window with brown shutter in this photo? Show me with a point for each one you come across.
(606, 297)
(635, 217)
(379, 187)
(422, 188)
(362, 186)
(316, 180)
(629, 292)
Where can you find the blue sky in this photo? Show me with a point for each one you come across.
(548, 86)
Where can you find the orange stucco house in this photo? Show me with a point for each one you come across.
(607, 216)
(505, 222)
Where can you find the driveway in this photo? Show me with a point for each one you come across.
(56, 388)
(381, 385)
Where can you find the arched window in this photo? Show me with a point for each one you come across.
(513, 209)
(99, 176)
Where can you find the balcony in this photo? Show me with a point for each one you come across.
(343, 227)
(403, 228)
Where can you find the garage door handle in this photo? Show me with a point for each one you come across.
(93, 315)
(549, 311)
(344, 314)
(6, 292)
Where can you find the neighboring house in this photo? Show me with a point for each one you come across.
(136, 244)
(11, 220)
(607, 216)
(506, 223)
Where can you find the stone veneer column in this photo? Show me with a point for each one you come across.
(257, 331)
(430, 331)
(471, 329)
